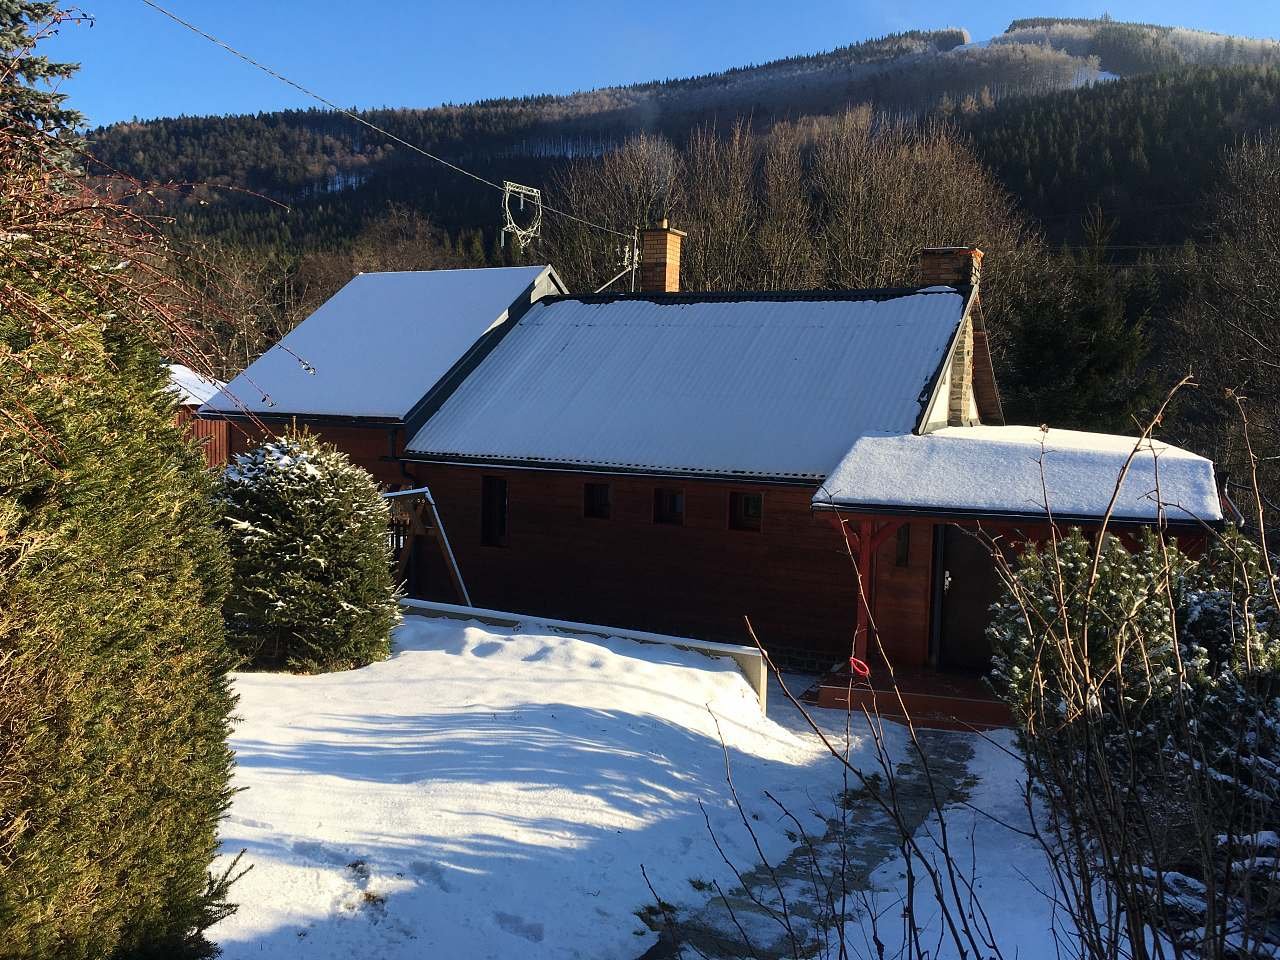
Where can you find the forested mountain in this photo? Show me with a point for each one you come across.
(1146, 150)
(1038, 100)
(1126, 49)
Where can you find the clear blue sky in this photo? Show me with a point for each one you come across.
(136, 63)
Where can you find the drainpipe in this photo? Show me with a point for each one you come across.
(393, 454)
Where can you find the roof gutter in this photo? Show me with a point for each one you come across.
(320, 419)
(452, 460)
(962, 513)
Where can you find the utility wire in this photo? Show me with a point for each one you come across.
(359, 119)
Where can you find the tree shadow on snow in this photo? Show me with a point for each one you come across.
(647, 771)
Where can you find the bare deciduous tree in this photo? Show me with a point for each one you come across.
(837, 203)
(1228, 323)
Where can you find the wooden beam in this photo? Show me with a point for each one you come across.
(885, 531)
(863, 540)
(863, 558)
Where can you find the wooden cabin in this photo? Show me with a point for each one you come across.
(675, 462)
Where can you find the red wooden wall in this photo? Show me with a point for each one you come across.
(793, 577)
(698, 579)
(214, 436)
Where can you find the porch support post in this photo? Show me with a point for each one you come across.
(864, 556)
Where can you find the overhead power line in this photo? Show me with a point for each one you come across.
(362, 120)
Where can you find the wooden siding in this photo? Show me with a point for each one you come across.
(212, 435)
(903, 596)
(368, 446)
(697, 579)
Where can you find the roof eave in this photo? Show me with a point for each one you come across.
(527, 463)
(320, 419)
(1059, 519)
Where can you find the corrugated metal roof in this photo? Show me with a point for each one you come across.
(766, 387)
(1000, 471)
(378, 345)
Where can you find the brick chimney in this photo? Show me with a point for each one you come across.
(660, 259)
(959, 267)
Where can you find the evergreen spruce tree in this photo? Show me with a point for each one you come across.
(1146, 685)
(1078, 356)
(114, 766)
(311, 586)
(22, 24)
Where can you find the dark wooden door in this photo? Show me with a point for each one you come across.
(970, 585)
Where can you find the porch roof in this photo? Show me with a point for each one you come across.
(1007, 472)
(191, 388)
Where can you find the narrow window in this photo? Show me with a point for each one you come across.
(903, 556)
(668, 505)
(493, 512)
(595, 500)
(746, 511)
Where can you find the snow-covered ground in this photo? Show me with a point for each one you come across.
(1009, 873)
(490, 793)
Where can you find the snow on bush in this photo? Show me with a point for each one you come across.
(311, 585)
(1147, 684)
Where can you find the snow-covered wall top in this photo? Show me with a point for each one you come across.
(766, 387)
(191, 388)
(378, 345)
(997, 471)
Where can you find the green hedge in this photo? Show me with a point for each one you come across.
(113, 695)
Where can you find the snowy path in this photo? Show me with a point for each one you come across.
(490, 794)
(858, 841)
(979, 780)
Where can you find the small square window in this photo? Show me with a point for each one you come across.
(493, 512)
(746, 511)
(596, 502)
(668, 505)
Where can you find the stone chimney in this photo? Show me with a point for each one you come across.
(660, 259)
(959, 267)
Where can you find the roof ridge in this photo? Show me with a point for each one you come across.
(384, 273)
(748, 296)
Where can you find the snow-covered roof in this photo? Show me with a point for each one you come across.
(378, 345)
(996, 471)
(717, 384)
(192, 388)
